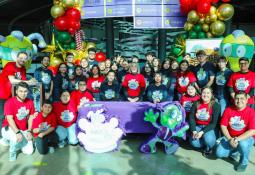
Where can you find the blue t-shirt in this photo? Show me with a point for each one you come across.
(203, 73)
(44, 76)
(221, 79)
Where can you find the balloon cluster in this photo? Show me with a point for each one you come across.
(208, 22)
(67, 15)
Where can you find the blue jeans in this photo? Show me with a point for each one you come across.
(244, 147)
(207, 140)
(223, 104)
(67, 133)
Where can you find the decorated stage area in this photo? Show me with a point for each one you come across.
(127, 161)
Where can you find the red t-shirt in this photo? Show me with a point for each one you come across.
(187, 102)
(93, 84)
(10, 69)
(20, 112)
(238, 122)
(78, 97)
(134, 83)
(46, 122)
(64, 113)
(202, 115)
(183, 80)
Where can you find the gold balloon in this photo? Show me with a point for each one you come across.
(90, 45)
(192, 17)
(205, 27)
(56, 2)
(225, 12)
(57, 11)
(68, 3)
(55, 61)
(207, 19)
(213, 10)
(217, 28)
(209, 35)
(188, 26)
(201, 21)
(213, 18)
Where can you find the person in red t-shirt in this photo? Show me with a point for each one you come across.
(94, 82)
(44, 126)
(184, 78)
(203, 119)
(19, 112)
(81, 96)
(134, 84)
(66, 120)
(13, 73)
(189, 98)
(243, 81)
(238, 127)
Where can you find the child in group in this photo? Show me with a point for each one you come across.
(157, 92)
(81, 96)
(70, 65)
(148, 74)
(85, 67)
(94, 82)
(43, 127)
(78, 75)
(110, 89)
(189, 98)
(156, 65)
(66, 120)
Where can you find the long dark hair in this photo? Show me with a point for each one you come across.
(212, 101)
(91, 72)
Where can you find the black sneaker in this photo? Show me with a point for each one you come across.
(240, 168)
(207, 153)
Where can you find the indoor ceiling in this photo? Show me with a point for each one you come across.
(28, 15)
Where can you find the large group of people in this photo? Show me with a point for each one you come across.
(219, 103)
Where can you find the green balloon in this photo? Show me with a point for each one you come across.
(184, 35)
(201, 35)
(176, 51)
(64, 37)
(179, 59)
(197, 28)
(73, 45)
(192, 34)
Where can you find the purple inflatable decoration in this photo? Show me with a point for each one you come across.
(96, 130)
(169, 119)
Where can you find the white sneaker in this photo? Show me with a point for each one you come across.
(4, 142)
(12, 156)
(51, 150)
(62, 144)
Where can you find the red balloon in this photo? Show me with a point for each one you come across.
(214, 1)
(71, 31)
(194, 4)
(100, 56)
(185, 6)
(74, 24)
(61, 23)
(203, 6)
(54, 69)
(225, 0)
(73, 14)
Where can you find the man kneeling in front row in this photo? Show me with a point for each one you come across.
(238, 128)
(19, 112)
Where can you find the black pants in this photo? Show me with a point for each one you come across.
(1, 115)
(42, 144)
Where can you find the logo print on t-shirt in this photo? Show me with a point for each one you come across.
(109, 94)
(44, 126)
(187, 105)
(64, 84)
(67, 116)
(157, 95)
(201, 74)
(220, 80)
(95, 85)
(183, 81)
(22, 113)
(83, 100)
(242, 84)
(165, 81)
(46, 78)
(133, 84)
(236, 123)
(18, 75)
(202, 114)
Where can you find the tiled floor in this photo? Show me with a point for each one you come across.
(127, 161)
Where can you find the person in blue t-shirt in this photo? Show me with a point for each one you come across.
(45, 76)
(205, 71)
(221, 78)
(157, 92)
(91, 57)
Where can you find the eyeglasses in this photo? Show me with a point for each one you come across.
(82, 84)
